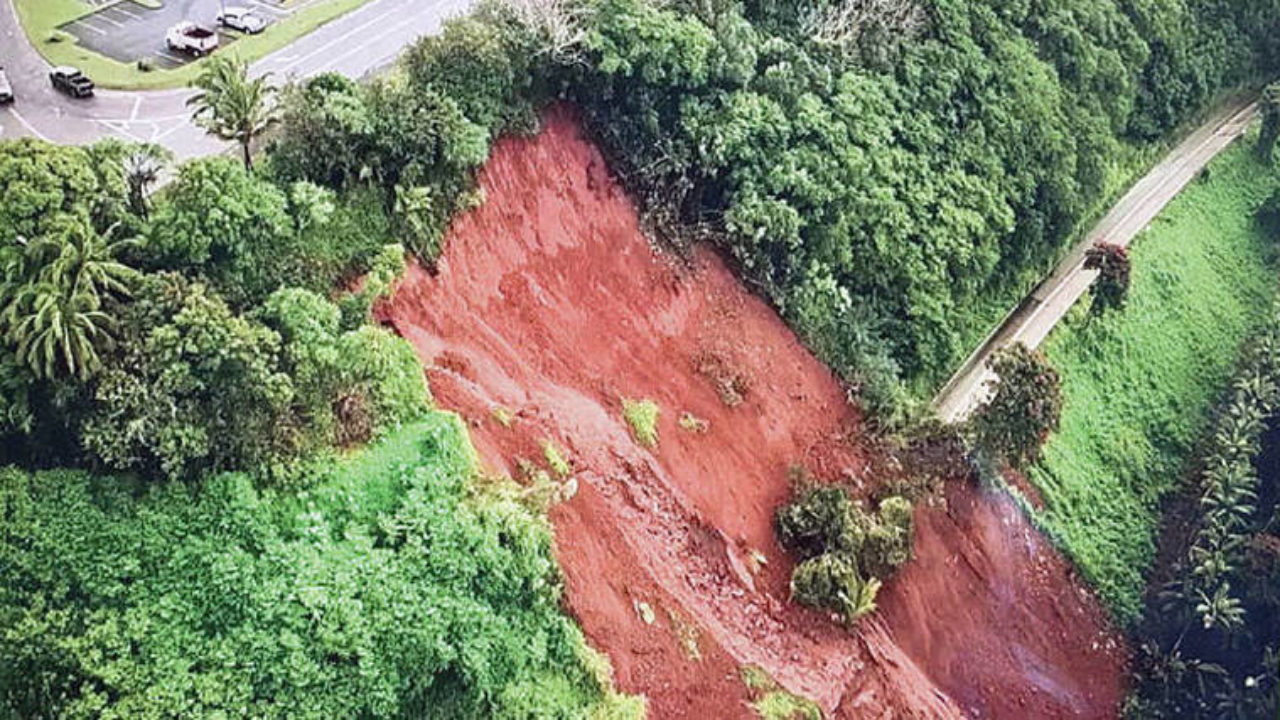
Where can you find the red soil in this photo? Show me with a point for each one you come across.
(550, 303)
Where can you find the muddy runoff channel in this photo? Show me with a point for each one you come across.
(549, 307)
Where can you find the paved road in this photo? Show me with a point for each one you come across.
(1031, 321)
(357, 43)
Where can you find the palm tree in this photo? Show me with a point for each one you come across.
(142, 169)
(86, 260)
(62, 330)
(232, 106)
(52, 300)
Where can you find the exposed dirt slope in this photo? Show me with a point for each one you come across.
(550, 303)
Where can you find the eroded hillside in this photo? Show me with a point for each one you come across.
(549, 308)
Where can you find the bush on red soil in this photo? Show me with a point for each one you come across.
(844, 552)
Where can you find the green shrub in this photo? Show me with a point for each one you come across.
(642, 418)
(843, 550)
(832, 581)
(555, 460)
(888, 542)
(819, 521)
(771, 702)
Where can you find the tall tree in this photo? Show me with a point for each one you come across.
(1025, 405)
(1269, 106)
(231, 105)
(1112, 284)
(55, 297)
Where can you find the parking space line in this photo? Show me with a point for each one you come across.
(123, 11)
(269, 9)
(86, 24)
(31, 128)
(347, 37)
(103, 16)
(172, 56)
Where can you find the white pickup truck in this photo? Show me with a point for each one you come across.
(191, 38)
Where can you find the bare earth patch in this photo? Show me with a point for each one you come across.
(550, 303)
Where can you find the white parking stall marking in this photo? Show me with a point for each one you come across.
(30, 128)
(346, 38)
(269, 9)
(103, 16)
(86, 24)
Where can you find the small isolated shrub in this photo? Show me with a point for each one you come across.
(555, 460)
(771, 702)
(502, 416)
(642, 416)
(1025, 405)
(693, 423)
(146, 65)
(888, 542)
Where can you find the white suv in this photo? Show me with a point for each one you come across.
(242, 19)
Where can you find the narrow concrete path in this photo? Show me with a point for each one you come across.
(1031, 321)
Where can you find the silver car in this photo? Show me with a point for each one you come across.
(6, 90)
(242, 19)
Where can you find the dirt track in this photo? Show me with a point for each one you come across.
(550, 303)
(1040, 311)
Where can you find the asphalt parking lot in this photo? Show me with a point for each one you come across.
(128, 32)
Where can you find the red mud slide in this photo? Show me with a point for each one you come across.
(550, 307)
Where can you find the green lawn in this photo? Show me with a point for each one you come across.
(41, 18)
(1138, 384)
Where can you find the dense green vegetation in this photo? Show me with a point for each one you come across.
(386, 590)
(178, 376)
(160, 343)
(880, 179)
(178, 373)
(1211, 646)
(1138, 382)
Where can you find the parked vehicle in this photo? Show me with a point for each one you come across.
(6, 90)
(190, 38)
(71, 81)
(242, 19)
